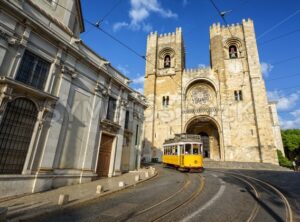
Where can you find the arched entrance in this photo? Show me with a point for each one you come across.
(208, 130)
(15, 134)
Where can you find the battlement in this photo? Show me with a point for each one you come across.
(196, 70)
(166, 35)
(216, 28)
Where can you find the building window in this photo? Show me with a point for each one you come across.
(127, 119)
(167, 61)
(136, 134)
(33, 70)
(111, 108)
(16, 130)
(233, 52)
(238, 95)
(165, 101)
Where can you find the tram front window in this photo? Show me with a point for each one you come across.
(188, 148)
(195, 149)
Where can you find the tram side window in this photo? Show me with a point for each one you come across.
(181, 149)
(187, 149)
(195, 149)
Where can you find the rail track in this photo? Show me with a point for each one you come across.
(190, 198)
(259, 187)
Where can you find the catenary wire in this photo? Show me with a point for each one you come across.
(144, 58)
(279, 37)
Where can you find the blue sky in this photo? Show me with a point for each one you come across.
(132, 20)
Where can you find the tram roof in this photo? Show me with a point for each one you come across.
(184, 137)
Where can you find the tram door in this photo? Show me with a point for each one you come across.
(205, 141)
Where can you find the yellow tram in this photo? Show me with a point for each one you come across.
(184, 152)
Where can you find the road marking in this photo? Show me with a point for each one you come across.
(209, 203)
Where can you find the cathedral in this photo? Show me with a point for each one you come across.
(225, 103)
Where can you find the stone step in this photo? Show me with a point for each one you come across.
(208, 163)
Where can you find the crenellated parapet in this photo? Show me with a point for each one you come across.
(218, 29)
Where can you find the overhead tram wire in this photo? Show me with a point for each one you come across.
(97, 26)
(280, 37)
(286, 60)
(222, 14)
(111, 10)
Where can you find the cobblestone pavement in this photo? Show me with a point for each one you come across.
(215, 195)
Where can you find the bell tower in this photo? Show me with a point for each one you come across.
(163, 84)
(235, 59)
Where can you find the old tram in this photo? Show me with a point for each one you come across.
(184, 152)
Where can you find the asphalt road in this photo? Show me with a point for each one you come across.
(209, 196)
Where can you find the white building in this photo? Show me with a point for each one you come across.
(67, 116)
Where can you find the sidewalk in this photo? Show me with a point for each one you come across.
(39, 203)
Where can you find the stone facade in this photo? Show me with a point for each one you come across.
(58, 102)
(225, 103)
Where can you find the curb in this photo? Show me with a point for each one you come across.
(80, 201)
(232, 168)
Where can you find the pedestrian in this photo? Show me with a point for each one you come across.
(295, 165)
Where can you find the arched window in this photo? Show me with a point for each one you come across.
(167, 101)
(233, 54)
(167, 61)
(16, 130)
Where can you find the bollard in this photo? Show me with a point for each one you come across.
(3, 213)
(63, 199)
(121, 184)
(146, 174)
(137, 178)
(99, 189)
(153, 171)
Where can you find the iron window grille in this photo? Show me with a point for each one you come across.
(16, 130)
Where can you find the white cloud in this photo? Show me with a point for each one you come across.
(123, 69)
(140, 90)
(117, 26)
(202, 66)
(140, 10)
(284, 102)
(293, 123)
(138, 80)
(266, 68)
(147, 27)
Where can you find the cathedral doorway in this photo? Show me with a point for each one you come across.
(205, 141)
(208, 130)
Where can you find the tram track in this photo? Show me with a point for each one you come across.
(256, 185)
(186, 185)
(195, 194)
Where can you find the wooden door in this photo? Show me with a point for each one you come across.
(104, 155)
